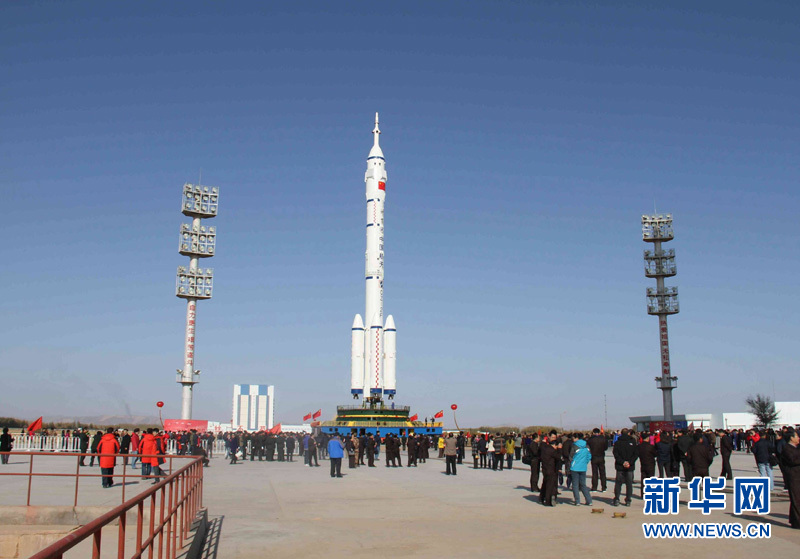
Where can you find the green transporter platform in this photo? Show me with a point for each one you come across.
(378, 420)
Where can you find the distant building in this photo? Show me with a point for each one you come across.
(253, 407)
(788, 414)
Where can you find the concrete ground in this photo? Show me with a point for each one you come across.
(284, 509)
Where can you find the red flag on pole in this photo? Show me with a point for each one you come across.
(275, 430)
(438, 415)
(601, 429)
(317, 414)
(35, 426)
(414, 417)
(306, 417)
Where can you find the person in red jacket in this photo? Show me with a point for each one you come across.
(159, 450)
(147, 446)
(135, 440)
(107, 449)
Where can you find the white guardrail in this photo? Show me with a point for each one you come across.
(57, 443)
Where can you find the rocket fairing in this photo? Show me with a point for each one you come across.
(370, 356)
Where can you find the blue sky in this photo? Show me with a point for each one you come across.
(523, 140)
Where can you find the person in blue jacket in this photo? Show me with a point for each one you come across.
(580, 456)
(336, 453)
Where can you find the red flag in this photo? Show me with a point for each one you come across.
(35, 426)
(316, 415)
(601, 429)
(275, 430)
(414, 417)
(307, 417)
(438, 415)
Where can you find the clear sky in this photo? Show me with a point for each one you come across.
(523, 141)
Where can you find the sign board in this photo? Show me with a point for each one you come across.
(186, 425)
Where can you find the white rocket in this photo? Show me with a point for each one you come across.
(373, 348)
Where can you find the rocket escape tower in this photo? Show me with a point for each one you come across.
(661, 301)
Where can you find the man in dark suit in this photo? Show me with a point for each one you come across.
(726, 449)
(411, 444)
(534, 453)
(370, 451)
(625, 455)
(700, 456)
(647, 459)
(598, 444)
(548, 455)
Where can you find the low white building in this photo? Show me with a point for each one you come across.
(788, 414)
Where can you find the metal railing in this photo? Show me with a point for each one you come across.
(57, 443)
(30, 474)
(173, 506)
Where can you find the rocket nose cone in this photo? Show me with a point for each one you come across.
(376, 321)
(389, 323)
(376, 151)
(357, 322)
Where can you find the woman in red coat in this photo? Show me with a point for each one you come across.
(160, 440)
(147, 446)
(107, 449)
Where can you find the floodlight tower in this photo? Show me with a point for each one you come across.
(661, 301)
(197, 241)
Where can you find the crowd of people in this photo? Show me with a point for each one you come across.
(556, 460)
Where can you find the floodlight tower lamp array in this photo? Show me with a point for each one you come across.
(194, 283)
(661, 301)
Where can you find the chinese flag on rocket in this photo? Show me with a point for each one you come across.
(307, 417)
(438, 415)
(35, 426)
(317, 414)
(414, 417)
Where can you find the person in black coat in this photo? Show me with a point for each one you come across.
(95, 442)
(566, 448)
(790, 460)
(664, 455)
(534, 451)
(647, 459)
(7, 444)
(626, 453)
(685, 441)
(411, 445)
(83, 438)
(125, 445)
(725, 449)
(598, 444)
(700, 456)
(370, 451)
(548, 455)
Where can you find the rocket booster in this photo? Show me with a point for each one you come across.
(370, 356)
